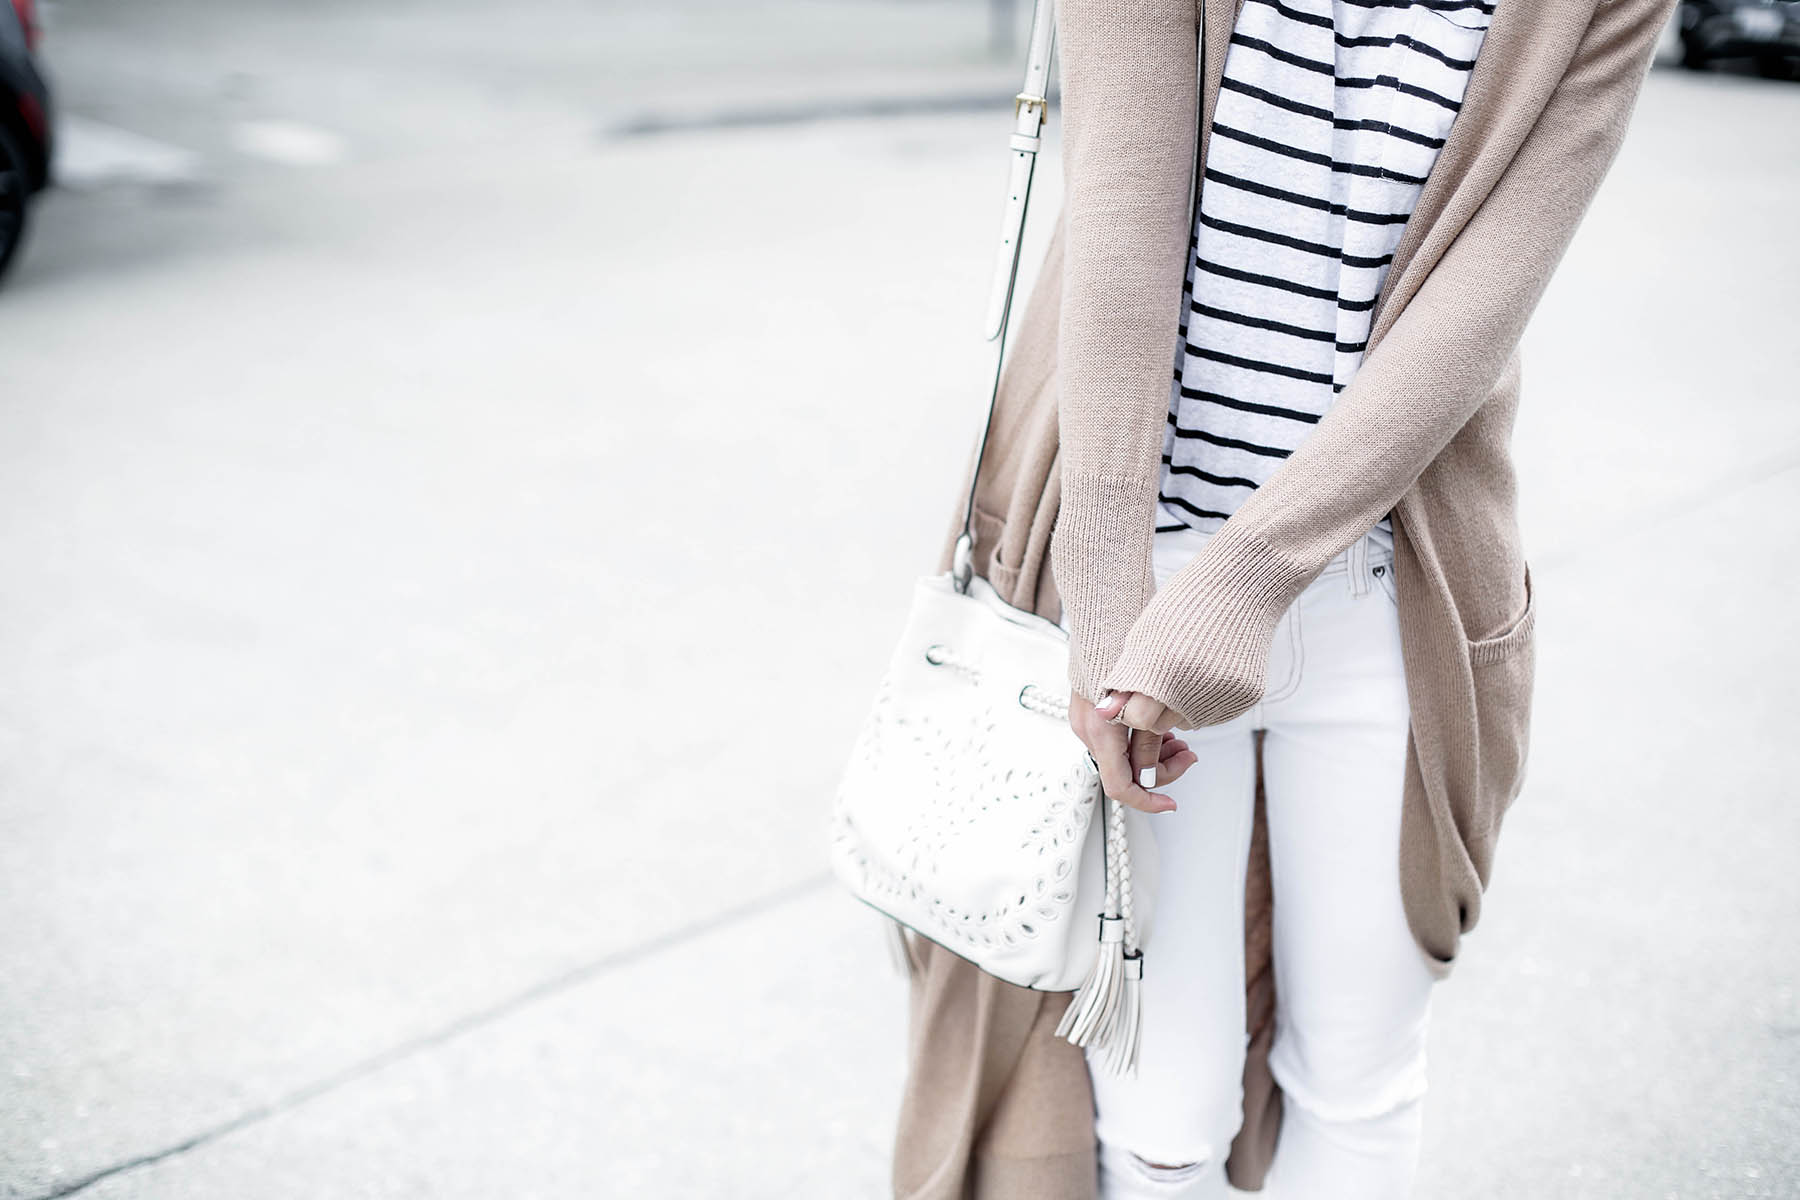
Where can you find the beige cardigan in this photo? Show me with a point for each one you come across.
(996, 1107)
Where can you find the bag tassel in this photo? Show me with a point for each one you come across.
(1122, 1050)
(1091, 1013)
(1106, 1013)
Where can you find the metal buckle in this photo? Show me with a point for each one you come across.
(962, 563)
(1025, 100)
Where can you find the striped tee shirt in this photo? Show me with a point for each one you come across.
(1330, 116)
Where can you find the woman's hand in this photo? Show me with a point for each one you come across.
(1119, 762)
(1138, 711)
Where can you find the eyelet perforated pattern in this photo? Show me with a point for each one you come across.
(964, 782)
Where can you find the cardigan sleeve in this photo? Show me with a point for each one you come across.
(1200, 644)
(1130, 78)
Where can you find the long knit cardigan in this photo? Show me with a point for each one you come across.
(995, 1106)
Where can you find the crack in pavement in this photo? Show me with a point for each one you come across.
(465, 1024)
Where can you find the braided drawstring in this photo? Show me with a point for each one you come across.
(1105, 1014)
(1031, 697)
(941, 655)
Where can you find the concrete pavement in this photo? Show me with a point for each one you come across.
(446, 575)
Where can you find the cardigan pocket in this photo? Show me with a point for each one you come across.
(1502, 668)
(1489, 651)
(990, 541)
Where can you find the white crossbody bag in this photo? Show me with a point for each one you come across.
(970, 812)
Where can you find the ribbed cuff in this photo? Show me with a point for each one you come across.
(1201, 646)
(1100, 554)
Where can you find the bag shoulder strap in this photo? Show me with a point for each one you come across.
(1028, 124)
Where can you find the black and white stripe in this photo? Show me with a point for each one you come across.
(1330, 116)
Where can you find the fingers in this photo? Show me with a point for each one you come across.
(1175, 768)
(1142, 712)
(1108, 743)
(1146, 752)
(1136, 710)
(1118, 772)
(1176, 759)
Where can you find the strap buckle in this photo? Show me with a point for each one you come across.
(962, 561)
(1025, 100)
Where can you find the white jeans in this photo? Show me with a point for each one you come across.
(1353, 991)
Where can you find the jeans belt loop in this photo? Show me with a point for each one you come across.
(1359, 566)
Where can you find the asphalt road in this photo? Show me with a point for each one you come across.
(450, 543)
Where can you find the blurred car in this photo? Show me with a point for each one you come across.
(24, 123)
(1765, 30)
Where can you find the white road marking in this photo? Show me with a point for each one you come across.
(92, 154)
(288, 142)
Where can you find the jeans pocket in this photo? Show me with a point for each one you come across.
(1287, 644)
(1384, 579)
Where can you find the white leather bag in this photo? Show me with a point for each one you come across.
(970, 812)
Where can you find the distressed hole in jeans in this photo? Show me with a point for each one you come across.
(1166, 1172)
